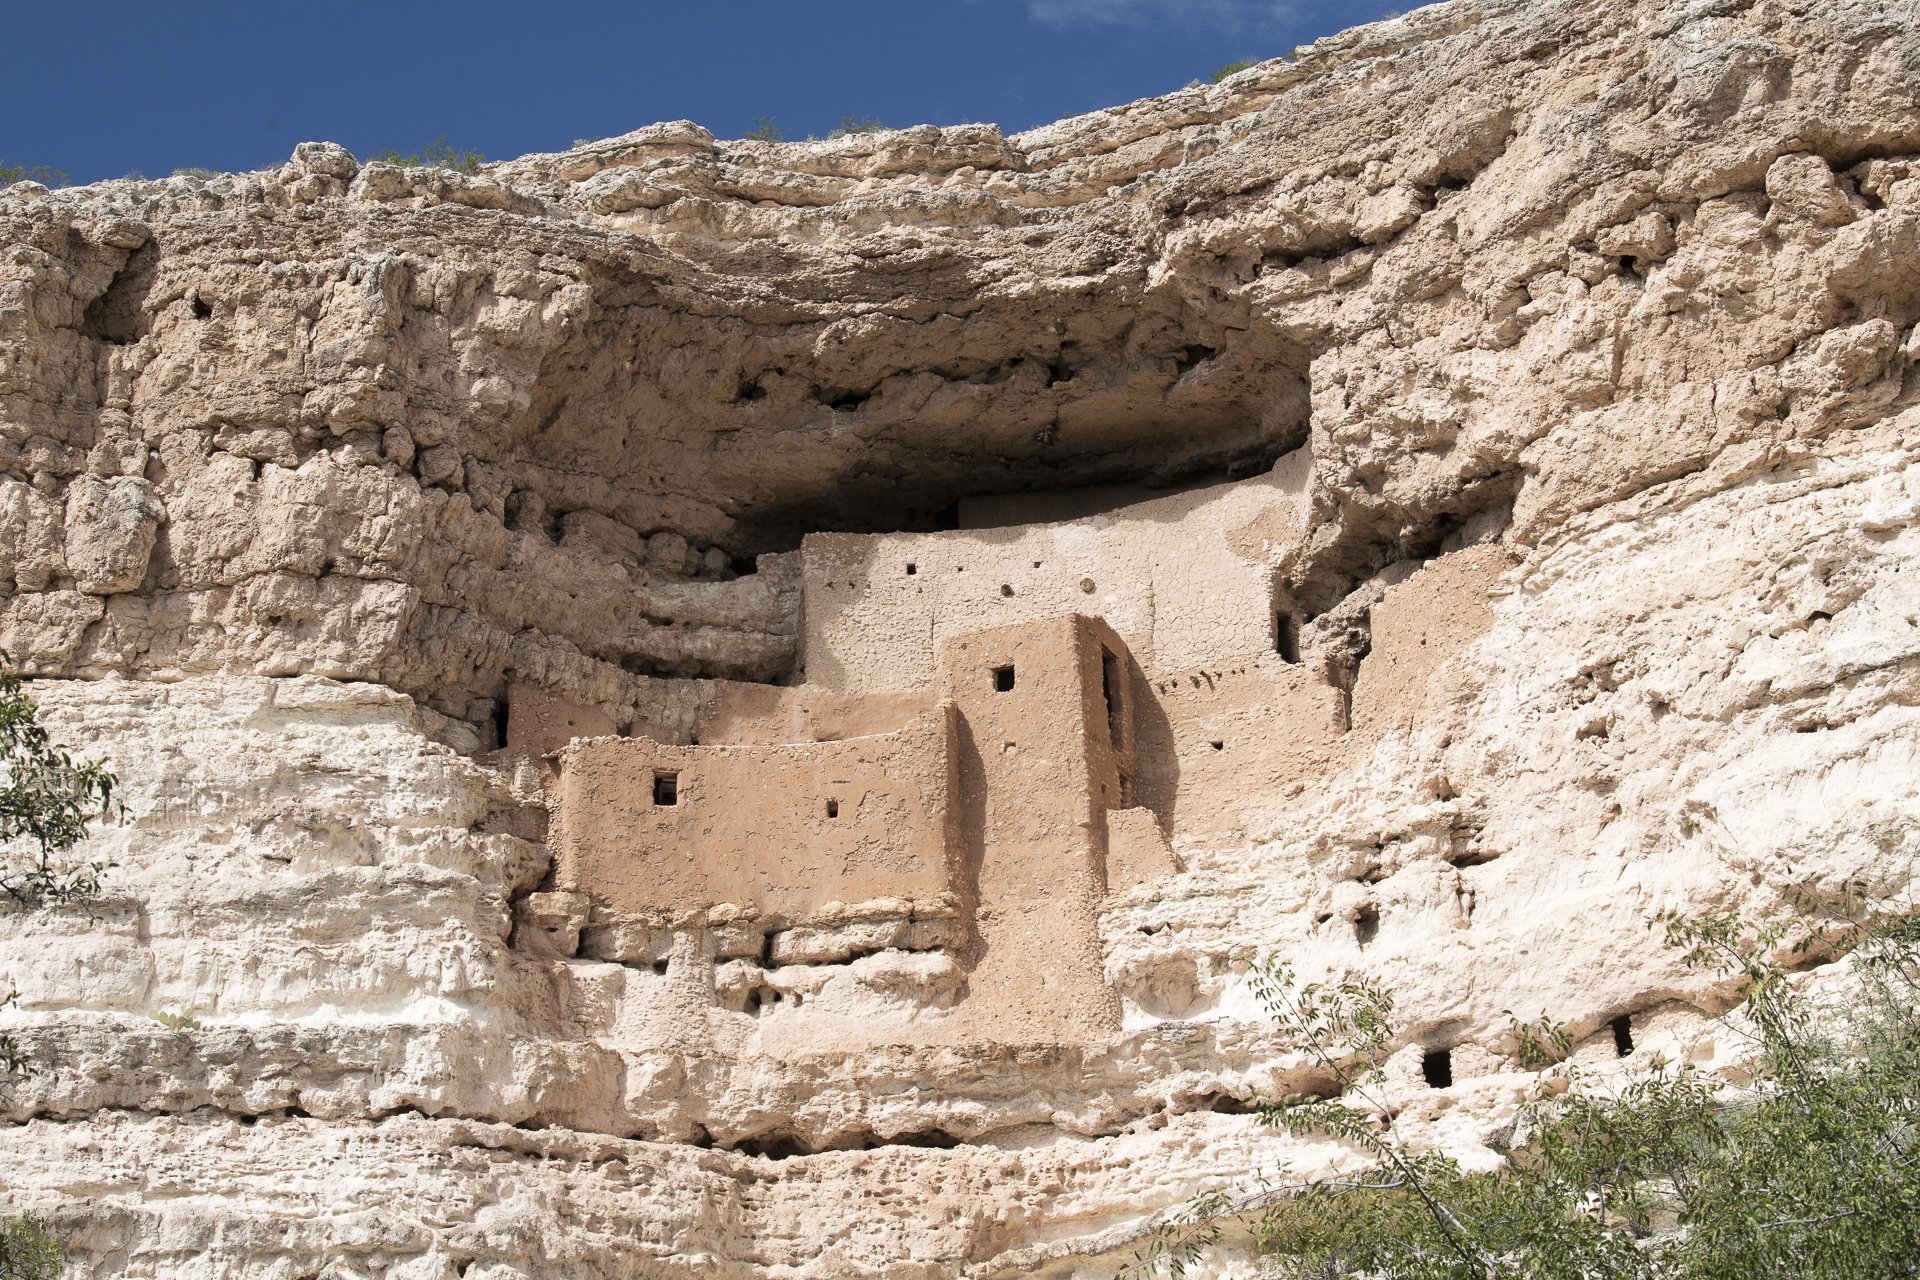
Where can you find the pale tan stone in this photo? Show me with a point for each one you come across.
(1494, 428)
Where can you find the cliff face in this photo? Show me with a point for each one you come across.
(1583, 336)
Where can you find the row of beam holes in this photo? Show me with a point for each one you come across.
(1006, 588)
(1436, 1065)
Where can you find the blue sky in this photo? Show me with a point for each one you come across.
(103, 88)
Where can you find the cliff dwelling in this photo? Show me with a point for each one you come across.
(708, 707)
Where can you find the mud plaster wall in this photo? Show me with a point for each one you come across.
(1184, 579)
(736, 712)
(750, 825)
(1038, 767)
(1216, 740)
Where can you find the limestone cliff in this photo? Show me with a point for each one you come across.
(1492, 438)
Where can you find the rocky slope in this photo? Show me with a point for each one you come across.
(299, 470)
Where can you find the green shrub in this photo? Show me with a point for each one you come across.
(40, 173)
(1809, 1169)
(438, 154)
(176, 1021)
(1230, 68)
(763, 130)
(46, 802)
(27, 1249)
(850, 125)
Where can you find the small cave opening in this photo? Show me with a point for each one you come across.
(772, 1146)
(1225, 1104)
(1622, 1028)
(1366, 925)
(118, 317)
(845, 401)
(202, 309)
(1003, 679)
(1193, 357)
(833, 808)
(1436, 1068)
(1286, 636)
(666, 788)
(934, 1139)
(499, 723)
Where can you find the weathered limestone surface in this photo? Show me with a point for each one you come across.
(1590, 331)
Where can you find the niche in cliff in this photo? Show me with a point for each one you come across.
(118, 316)
(749, 425)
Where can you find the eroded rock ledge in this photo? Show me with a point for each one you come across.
(1489, 441)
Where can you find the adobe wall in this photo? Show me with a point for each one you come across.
(1184, 579)
(1039, 764)
(1216, 740)
(780, 830)
(539, 722)
(737, 712)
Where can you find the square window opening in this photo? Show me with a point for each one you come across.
(666, 787)
(1436, 1067)
(833, 808)
(1003, 679)
(912, 569)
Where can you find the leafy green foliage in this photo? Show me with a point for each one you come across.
(40, 173)
(763, 130)
(1230, 68)
(46, 802)
(850, 125)
(1810, 1169)
(176, 1021)
(438, 154)
(27, 1250)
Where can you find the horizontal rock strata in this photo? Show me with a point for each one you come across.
(1584, 334)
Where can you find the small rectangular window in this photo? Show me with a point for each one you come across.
(1110, 674)
(833, 808)
(1003, 679)
(666, 787)
(1436, 1067)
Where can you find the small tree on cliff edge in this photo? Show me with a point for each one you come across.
(46, 803)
